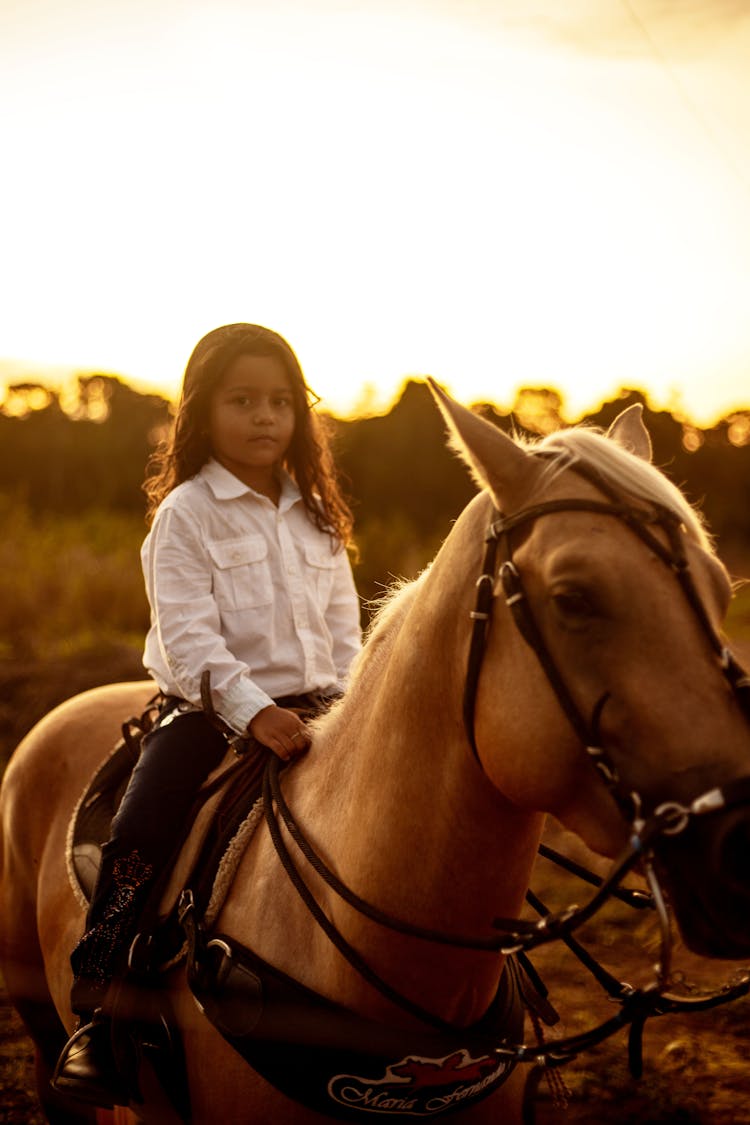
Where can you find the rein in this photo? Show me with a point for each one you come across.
(519, 936)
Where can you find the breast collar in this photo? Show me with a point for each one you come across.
(333, 1060)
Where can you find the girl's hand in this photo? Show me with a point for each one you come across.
(281, 731)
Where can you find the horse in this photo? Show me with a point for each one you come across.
(561, 656)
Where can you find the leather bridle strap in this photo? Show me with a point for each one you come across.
(672, 555)
(518, 604)
(480, 617)
(500, 527)
(515, 597)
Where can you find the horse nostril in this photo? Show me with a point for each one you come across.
(734, 856)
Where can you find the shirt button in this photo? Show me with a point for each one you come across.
(292, 570)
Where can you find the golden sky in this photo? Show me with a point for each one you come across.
(495, 192)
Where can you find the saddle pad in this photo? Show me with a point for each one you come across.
(92, 817)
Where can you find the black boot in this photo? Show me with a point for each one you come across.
(87, 1069)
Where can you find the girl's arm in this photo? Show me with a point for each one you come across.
(342, 618)
(186, 637)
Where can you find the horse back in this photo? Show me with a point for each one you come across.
(47, 771)
(43, 782)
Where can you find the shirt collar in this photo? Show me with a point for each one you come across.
(226, 486)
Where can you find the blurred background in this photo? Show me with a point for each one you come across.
(543, 204)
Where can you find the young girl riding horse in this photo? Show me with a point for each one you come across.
(248, 578)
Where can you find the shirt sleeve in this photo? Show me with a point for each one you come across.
(185, 614)
(342, 618)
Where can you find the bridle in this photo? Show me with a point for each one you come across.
(639, 521)
(672, 817)
(519, 936)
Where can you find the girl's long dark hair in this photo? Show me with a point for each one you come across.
(308, 460)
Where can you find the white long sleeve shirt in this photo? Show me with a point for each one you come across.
(252, 592)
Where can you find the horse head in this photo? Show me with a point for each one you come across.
(602, 646)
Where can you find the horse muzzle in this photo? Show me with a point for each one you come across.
(706, 871)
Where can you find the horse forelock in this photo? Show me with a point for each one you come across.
(636, 478)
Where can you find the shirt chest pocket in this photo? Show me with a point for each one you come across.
(241, 572)
(320, 563)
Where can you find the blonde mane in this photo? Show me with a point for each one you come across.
(370, 664)
(636, 478)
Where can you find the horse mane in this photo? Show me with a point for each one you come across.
(390, 610)
(370, 663)
(638, 479)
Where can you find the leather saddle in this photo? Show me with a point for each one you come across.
(222, 805)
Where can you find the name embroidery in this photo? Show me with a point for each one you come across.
(420, 1087)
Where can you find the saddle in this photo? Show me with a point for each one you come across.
(223, 805)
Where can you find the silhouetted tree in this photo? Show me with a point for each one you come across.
(92, 456)
(91, 452)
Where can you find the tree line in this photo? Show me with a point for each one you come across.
(406, 486)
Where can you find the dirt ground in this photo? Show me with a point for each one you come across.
(696, 1069)
(18, 1101)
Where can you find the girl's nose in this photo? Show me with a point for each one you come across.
(262, 411)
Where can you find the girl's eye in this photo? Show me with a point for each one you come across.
(277, 402)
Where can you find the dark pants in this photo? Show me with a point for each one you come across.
(177, 756)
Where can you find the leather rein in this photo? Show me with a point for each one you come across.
(519, 936)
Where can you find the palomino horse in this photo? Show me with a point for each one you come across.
(582, 675)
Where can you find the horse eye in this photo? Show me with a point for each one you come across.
(573, 605)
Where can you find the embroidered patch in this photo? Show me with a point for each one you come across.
(421, 1087)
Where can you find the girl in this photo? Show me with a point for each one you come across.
(247, 578)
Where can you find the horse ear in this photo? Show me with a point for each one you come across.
(629, 431)
(495, 460)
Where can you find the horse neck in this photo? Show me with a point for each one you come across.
(407, 816)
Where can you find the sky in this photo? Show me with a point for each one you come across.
(499, 193)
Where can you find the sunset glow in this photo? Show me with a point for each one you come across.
(496, 194)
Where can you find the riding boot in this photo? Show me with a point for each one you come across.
(111, 924)
(87, 1069)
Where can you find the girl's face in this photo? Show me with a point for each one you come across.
(251, 420)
